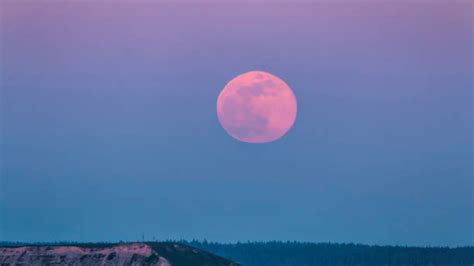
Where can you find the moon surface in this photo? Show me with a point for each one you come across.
(256, 107)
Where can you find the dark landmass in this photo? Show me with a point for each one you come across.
(193, 253)
(327, 254)
(153, 253)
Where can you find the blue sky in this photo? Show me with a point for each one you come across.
(109, 127)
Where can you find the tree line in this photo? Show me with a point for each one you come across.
(328, 254)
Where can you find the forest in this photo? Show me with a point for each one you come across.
(329, 254)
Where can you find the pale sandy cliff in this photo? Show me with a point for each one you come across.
(120, 254)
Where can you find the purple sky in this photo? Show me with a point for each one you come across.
(109, 128)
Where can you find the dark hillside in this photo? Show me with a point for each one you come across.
(183, 255)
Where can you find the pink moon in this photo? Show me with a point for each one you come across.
(256, 107)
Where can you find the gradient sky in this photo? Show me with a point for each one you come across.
(109, 127)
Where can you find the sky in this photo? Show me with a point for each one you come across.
(109, 128)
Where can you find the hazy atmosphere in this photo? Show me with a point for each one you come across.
(109, 128)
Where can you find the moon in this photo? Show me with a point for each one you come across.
(256, 107)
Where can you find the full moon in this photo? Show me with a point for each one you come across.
(256, 107)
